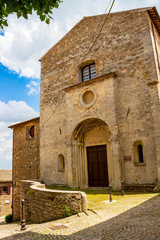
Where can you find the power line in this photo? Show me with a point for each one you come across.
(88, 51)
(101, 27)
(107, 6)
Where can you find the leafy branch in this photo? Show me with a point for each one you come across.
(23, 8)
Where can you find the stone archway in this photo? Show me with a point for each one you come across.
(88, 133)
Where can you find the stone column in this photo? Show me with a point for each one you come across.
(116, 180)
(116, 149)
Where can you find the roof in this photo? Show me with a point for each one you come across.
(5, 175)
(24, 122)
(152, 11)
(155, 18)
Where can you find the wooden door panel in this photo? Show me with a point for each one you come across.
(97, 166)
(102, 173)
(101, 148)
(94, 174)
(102, 156)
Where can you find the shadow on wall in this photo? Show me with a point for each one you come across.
(141, 222)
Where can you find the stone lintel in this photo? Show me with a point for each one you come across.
(97, 79)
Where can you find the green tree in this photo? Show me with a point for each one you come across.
(22, 8)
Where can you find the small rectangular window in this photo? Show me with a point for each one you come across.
(4, 190)
(88, 72)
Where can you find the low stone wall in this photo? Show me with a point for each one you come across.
(42, 205)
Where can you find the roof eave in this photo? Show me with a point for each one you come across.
(24, 122)
(154, 15)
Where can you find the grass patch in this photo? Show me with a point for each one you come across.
(96, 196)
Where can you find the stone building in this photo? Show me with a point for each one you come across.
(5, 192)
(26, 163)
(99, 105)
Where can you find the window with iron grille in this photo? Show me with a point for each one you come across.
(89, 72)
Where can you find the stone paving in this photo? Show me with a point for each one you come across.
(128, 219)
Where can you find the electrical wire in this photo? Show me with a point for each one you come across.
(89, 49)
(100, 28)
(107, 6)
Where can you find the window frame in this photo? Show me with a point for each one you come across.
(89, 73)
(28, 132)
(5, 193)
(138, 154)
(31, 131)
(61, 163)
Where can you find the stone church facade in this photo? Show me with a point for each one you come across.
(102, 123)
(99, 104)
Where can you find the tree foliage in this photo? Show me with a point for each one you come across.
(22, 8)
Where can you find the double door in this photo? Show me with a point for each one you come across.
(97, 166)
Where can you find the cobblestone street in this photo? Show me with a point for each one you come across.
(134, 217)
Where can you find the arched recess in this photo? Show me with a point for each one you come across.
(90, 132)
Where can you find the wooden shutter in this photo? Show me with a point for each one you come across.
(8, 190)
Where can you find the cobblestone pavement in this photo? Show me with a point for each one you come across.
(134, 219)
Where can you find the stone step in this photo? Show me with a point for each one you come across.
(87, 213)
(139, 187)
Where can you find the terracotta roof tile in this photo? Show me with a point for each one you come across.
(5, 175)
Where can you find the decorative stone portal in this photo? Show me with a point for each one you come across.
(91, 133)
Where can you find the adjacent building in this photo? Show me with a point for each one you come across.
(5, 192)
(26, 162)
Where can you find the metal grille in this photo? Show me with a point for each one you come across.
(88, 72)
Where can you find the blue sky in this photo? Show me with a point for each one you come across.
(22, 44)
(14, 87)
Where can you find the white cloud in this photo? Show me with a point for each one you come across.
(11, 113)
(16, 111)
(121, 5)
(5, 145)
(25, 41)
(6, 152)
(34, 87)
